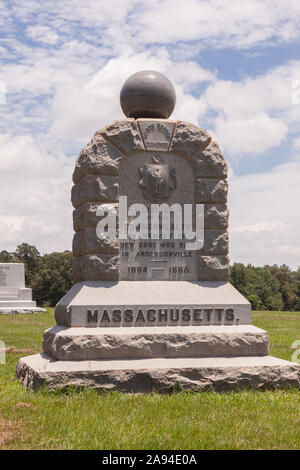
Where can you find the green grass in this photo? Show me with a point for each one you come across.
(87, 420)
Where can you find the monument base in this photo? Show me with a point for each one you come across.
(145, 336)
(148, 304)
(76, 344)
(9, 307)
(17, 299)
(13, 311)
(160, 374)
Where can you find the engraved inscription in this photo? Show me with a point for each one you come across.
(144, 316)
(156, 134)
(12, 275)
(3, 276)
(166, 181)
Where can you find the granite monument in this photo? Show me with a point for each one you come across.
(152, 313)
(14, 296)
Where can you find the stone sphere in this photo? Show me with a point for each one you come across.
(148, 94)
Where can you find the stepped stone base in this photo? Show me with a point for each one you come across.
(22, 305)
(17, 309)
(160, 375)
(171, 336)
(69, 344)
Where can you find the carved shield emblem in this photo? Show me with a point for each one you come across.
(158, 180)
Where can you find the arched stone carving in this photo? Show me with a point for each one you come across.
(96, 180)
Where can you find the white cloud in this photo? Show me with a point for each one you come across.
(188, 72)
(255, 114)
(217, 23)
(264, 216)
(249, 135)
(35, 195)
(214, 23)
(296, 143)
(262, 227)
(42, 34)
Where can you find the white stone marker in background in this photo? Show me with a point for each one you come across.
(14, 296)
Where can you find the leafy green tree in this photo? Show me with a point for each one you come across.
(255, 301)
(53, 279)
(30, 256)
(6, 257)
(258, 285)
(274, 302)
(240, 278)
(289, 285)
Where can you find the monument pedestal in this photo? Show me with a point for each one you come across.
(14, 296)
(160, 374)
(147, 336)
(152, 303)
(76, 344)
(20, 307)
(153, 311)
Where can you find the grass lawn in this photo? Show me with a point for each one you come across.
(87, 420)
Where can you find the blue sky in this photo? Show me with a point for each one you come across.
(233, 64)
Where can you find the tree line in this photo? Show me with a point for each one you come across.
(268, 287)
(50, 277)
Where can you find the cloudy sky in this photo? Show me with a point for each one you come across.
(236, 68)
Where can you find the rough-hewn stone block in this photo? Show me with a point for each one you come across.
(95, 188)
(161, 374)
(77, 267)
(215, 216)
(189, 139)
(210, 162)
(87, 242)
(85, 215)
(125, 135)
(96, 267)
(98, 157)
(211, 190)
(213, 268)
(79, 344)
(215, 242)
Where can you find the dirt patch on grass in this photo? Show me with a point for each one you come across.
(13, 350)
(7, 431)
(10, 432)
(22, 404)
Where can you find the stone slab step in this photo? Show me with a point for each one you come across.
(17, 304)
(65, 343)
(14, 310)
(160, 375)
